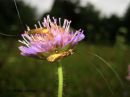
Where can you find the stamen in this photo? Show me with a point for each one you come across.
(48, 19)
(39, 24)
(35, 26)
(28, 37)
(25, 32)
(80, 30)
(55, 20)
(46, 23)
(59, 21)
(50, 24)
(75, 34)
(43, 24)
(32, 37)
(64, 23)
(68, 26)
(23, 42)
(25, 39)
(28, 29)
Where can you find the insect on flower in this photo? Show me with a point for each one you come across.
(51, 40)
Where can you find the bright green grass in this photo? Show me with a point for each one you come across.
(85, 75)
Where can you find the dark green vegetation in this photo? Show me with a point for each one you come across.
(85, 73)
(98, 29)
(10, 22)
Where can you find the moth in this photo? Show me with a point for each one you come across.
(57, 56)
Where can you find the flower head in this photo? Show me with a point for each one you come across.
(51, 40)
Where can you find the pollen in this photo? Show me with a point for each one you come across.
(39, 31)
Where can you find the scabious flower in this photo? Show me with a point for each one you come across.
(51, 40)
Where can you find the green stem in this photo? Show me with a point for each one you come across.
(60, 77)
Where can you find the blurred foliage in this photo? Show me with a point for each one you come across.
(10, 23)
(98, 29)
(85, 74)
(127, 24)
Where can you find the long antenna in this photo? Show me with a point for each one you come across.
(18, 12)
(9, 35)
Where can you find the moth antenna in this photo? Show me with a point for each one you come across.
(9, 35)
(18, 13)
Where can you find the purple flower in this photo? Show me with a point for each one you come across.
(51, 41)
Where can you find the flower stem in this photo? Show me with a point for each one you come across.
(60, 77)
